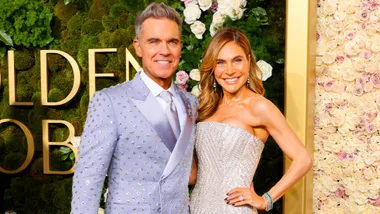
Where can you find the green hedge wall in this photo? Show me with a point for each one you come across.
(74, 26)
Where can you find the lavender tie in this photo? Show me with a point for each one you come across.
(171, 113)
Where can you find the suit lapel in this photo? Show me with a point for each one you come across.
(147, 105)
(183, 139)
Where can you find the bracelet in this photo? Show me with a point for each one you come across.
(268, 198)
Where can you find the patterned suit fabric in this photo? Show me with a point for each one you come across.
(124, 137)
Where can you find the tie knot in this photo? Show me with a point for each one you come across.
(166, 96)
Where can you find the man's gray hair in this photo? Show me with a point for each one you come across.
(157, 11)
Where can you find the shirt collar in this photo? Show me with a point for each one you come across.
(154, 88)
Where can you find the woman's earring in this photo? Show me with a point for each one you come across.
(248, 82)
(214, 86)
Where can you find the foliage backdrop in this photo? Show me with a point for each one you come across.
(74, 26)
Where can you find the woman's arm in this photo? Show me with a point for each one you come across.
(273, 120)
(194, 170)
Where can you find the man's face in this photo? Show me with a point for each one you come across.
(159, 45)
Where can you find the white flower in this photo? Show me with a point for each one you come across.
(100, 211)
(243, 3)
(198, 28)
(214, 28)
(196, 90)
(204, 4)
(235, 13)
(75, 141)
(192, 13)
(328, 57)
(223, 5)
(265, 68)
(105, 195)
(218, 18)
(195, 74)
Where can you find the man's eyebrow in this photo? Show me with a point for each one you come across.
(152, 39)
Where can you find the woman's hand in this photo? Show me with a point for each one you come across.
(249, 197)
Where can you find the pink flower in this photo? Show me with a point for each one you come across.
(364, 15)
(214, 6)
(361, 121)
(342, 155)
(316, 122)
(363, 5)
(339, 193)
(339, 59)
(370, 127)
(377, 201)
(328, 106)
(371, 116)
(350, 35)
(186, 2)
(365, 76)
(366, 54)
(375, 80)
(182, 86)
(359, 82)
(181, 78)
(358, 90)
(329, 85)
(373, 6)
(318, 36)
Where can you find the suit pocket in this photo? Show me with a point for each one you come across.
(115, 208)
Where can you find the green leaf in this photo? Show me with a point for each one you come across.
(72, 156)
(64, 157)
(259, 11)
(66, 2)
(3, 50)
(64, 150)
(6, 38)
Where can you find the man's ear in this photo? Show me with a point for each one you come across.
(137, 47)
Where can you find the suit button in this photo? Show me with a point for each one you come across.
(159, 210)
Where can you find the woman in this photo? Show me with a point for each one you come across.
(234, 121)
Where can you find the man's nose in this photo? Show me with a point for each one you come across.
(164, 48)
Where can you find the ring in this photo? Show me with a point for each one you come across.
(241, 198)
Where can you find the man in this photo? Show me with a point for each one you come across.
(140, 132)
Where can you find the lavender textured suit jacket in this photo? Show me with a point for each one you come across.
(124, 137)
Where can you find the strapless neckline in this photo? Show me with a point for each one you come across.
(243, 131)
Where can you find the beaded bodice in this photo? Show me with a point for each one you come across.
(227, 158)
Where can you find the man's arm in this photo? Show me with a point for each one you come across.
(95, 151)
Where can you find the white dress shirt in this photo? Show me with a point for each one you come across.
(156, 89)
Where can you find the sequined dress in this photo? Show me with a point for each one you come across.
(227, 158)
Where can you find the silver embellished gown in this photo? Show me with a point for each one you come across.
(227, 158)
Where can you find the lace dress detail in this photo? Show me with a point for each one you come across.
(227, 158)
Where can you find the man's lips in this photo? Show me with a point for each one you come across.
(163, 61)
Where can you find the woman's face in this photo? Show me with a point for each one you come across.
(232, 66)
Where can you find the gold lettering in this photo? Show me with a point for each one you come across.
(46, 145)
(92, 69)
(12, 82)
(30, 142)
(44, 78)
(129, 59)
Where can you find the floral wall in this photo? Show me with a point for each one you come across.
(347, 119)
(74, 26)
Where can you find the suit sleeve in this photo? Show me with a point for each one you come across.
(95, 152)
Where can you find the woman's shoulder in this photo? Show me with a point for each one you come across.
(259, 104)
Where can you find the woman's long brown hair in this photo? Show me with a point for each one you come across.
(210, 99)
